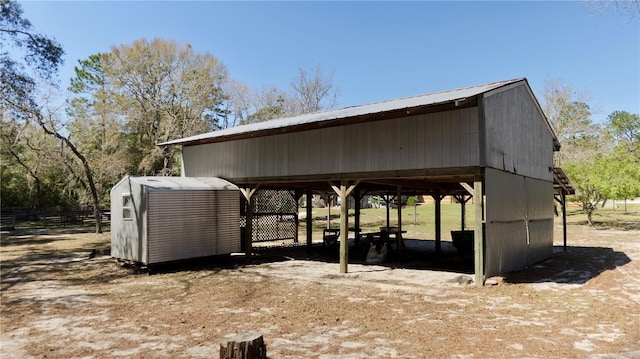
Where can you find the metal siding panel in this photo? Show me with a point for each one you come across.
(519, 221)
(540, 199)
(506, 240)
(435, 140)
(506, 248)
(228, 218)
(428, 148)
(398, 137)
(540, 215)
(411, 142)
(344, 159)
(421, 141)
(180, 225)
(540, 240)
(126, 239)
(518, 139)
(455, 138)
(187, 224)
(474, 137)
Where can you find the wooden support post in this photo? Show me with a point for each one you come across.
(400, 240)
(309, 221)
(248, 228)
(357, 197)
(463, 202)
(344, 227)
(462, 211)
(564, 221)
(387, 198)
(328, 202)
(438, 199)
(343, 191)
(478, 244)
(245, 346)
(297, 195)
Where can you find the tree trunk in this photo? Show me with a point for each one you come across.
(85, 165)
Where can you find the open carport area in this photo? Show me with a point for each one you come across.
(490, 142)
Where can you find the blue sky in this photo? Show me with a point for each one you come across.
(378, 50)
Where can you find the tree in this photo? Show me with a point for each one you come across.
(41, 55)
(18, 96)
(30, 178)
(588, 150)
(623, 164)
(95, 127)
(313, 91)
(269, 104)
(628, 8)
(625, 128)
(164, 90)
(589, 185)
(569, 114)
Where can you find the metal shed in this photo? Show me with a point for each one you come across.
(490, 141)
(163, 219)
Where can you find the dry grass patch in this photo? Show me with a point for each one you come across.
(59, 303)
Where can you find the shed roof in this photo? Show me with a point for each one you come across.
(562, 182)
(319, 119)
(182, 183)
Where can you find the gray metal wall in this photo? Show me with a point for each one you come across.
(519, 221)
(126, 235)
(185, 224)
(439, 140)
(517, 137)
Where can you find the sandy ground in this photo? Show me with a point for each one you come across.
(59, 303)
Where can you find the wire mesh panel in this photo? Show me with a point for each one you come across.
(275, 216)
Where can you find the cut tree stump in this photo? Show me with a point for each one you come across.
(244, 346)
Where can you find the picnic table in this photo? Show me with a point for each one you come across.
(384, 236)
(331, 236)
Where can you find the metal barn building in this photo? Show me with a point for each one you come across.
(491, 139)
(163, 219)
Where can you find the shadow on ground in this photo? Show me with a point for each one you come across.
(410, 258)
(577, 265)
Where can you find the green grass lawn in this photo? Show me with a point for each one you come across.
(372, 219)
(419, 226)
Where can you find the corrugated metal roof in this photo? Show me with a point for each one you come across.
(332, 115)
(176, 183)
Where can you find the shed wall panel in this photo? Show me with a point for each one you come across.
(413, 142)
(519, 221)
(506, 237)
(227, 222)
(540, 215)
(192, 224)
(517, 137)
(127, 234)
(181, 225)
(540, 240)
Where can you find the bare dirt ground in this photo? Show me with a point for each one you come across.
(56, 302)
